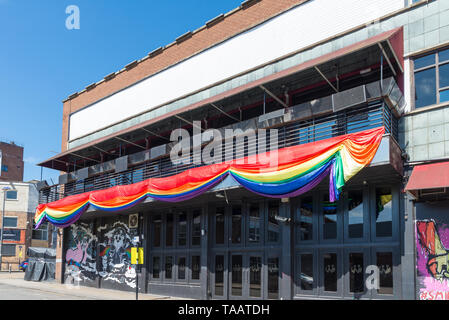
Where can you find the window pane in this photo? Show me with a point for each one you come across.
(9, 250)
(236, 224)
(219, 226)
(157, 224)
(356, 269)
(11, 195)
(168, 267)
(443, 55)
(355, 214)
(425, 88)
(196, 263)
(306, 218)
(273, 278)
(169, 231)
(306, 275)
(196, 228)
(181, 268)
(329, 218)
(236, 268)
(156, 267)
(444, 75)
(444, 96)
(425, 61)
(255, 276)
(182, 229)
(385, 265)
(254, 223)
(384, 212)
(330, 272)
(219, 275)
(273, 224)
(11, 222)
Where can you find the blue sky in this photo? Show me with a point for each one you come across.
(42, 62)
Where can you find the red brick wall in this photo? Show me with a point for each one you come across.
(12, 156)
(233, 24)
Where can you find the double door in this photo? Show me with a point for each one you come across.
(245, 275)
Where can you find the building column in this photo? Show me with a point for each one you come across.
(204, 275)
(285, 290)
(408, 248)
(59, 268)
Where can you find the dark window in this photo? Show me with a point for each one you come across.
(306, 218)
(356, 272)
(196, 267)
(330, 272)
(168, 267)
(182, 229)
(384, 212)
(254, 223)
(255, 276)
(196, 228)
(157, 225)
(236, 270)
(11, 222)
(11, 195)
(236, 224)
(4, 168)
(219, 226)
(329, 218)
(385, 265)
(181, 268)
(273, 224)
(432, 78)
(156, 267)
(306, 272)
(273, 278)
(355, 214)
(219, 275)
(169, 230)
(41, 233)
(9, 250)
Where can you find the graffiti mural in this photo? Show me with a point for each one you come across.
(432, 243)
(115, 267)
(80, 258)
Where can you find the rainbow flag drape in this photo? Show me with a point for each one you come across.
(297, 170)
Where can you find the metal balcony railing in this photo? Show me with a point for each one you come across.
(370, 115)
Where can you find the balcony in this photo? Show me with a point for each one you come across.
(360, 108)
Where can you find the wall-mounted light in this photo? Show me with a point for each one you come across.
(282, 219)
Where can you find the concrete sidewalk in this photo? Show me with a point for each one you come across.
(70, 291)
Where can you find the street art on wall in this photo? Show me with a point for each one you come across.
(432, 260)
(115, 254)
(80, 257)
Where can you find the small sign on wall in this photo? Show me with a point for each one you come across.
(133, 220)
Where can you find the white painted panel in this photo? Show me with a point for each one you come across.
(300, 27)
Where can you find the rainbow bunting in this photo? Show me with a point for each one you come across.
(295, 171)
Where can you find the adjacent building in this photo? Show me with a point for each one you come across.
(11, 162)
(353, 95)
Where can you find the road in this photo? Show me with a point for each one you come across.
(8, 292)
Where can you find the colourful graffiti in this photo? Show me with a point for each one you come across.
(432, 260)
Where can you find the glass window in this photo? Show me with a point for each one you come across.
(11, 222)
(255, 276)
(169, 230)
(273, 224)
(236, 270)
(444, 95)
(444, 75)
(443, 56)
(11, 195)
(329, 218)
(182, 229)
(219, 225)
(355, 214)
(425, 88)
(385, 265)
(157, 225)
(306, 218)
(384, 212)
(181, 268)
(424, 61)
(273, 278)
(168, 267)
(8, 250)
(219, 275)
(306, 272)
(330, 272)
(254, 223)
(236, 224)
(156, 267)
(196, 267)
(40, 233)
(4, 168)
(356, 273)
(196, 228)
